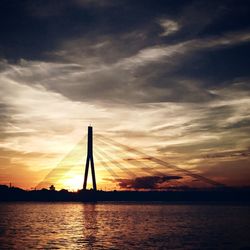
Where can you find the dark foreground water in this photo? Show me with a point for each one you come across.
(123, 226)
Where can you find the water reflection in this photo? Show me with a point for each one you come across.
(90, 226)
(122, 226)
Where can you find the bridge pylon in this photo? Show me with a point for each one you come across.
(90, 160)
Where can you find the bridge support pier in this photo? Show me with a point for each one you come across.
(90, 160)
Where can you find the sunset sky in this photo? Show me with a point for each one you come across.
(170, 78)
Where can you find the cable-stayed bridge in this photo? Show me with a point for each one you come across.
(122, 167)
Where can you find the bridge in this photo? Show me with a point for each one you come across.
(126, 167)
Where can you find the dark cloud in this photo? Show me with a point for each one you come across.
(146, 182)
(144, 75)
(226, 154)
(99, 50)
(30, 29)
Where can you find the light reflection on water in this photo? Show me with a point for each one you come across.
(123, 226)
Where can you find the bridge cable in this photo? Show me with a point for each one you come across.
(161, 162)
(147, 169)
(106, 166)
(116, 163)
(62, 168)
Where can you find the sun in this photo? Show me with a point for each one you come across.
(73, 183)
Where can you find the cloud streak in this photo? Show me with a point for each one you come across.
(147, 182)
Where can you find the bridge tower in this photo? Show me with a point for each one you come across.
(90, 160)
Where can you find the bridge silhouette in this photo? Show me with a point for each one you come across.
(127, 167)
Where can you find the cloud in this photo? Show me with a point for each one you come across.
(147, 182)
(231, 153)
(190, 126)
(148, 75)
(176, 51)
(169, 26)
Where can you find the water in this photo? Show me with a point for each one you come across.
(123, 226)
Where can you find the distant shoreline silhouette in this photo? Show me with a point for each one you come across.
(218, 195)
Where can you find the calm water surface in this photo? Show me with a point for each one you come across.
(123, 226)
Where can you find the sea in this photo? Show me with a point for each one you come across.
(30, 225)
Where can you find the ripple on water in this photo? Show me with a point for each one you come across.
(122, 226)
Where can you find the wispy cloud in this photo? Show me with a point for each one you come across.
(173, 52)
(169, 26)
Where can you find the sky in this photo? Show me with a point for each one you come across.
(170, 78)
